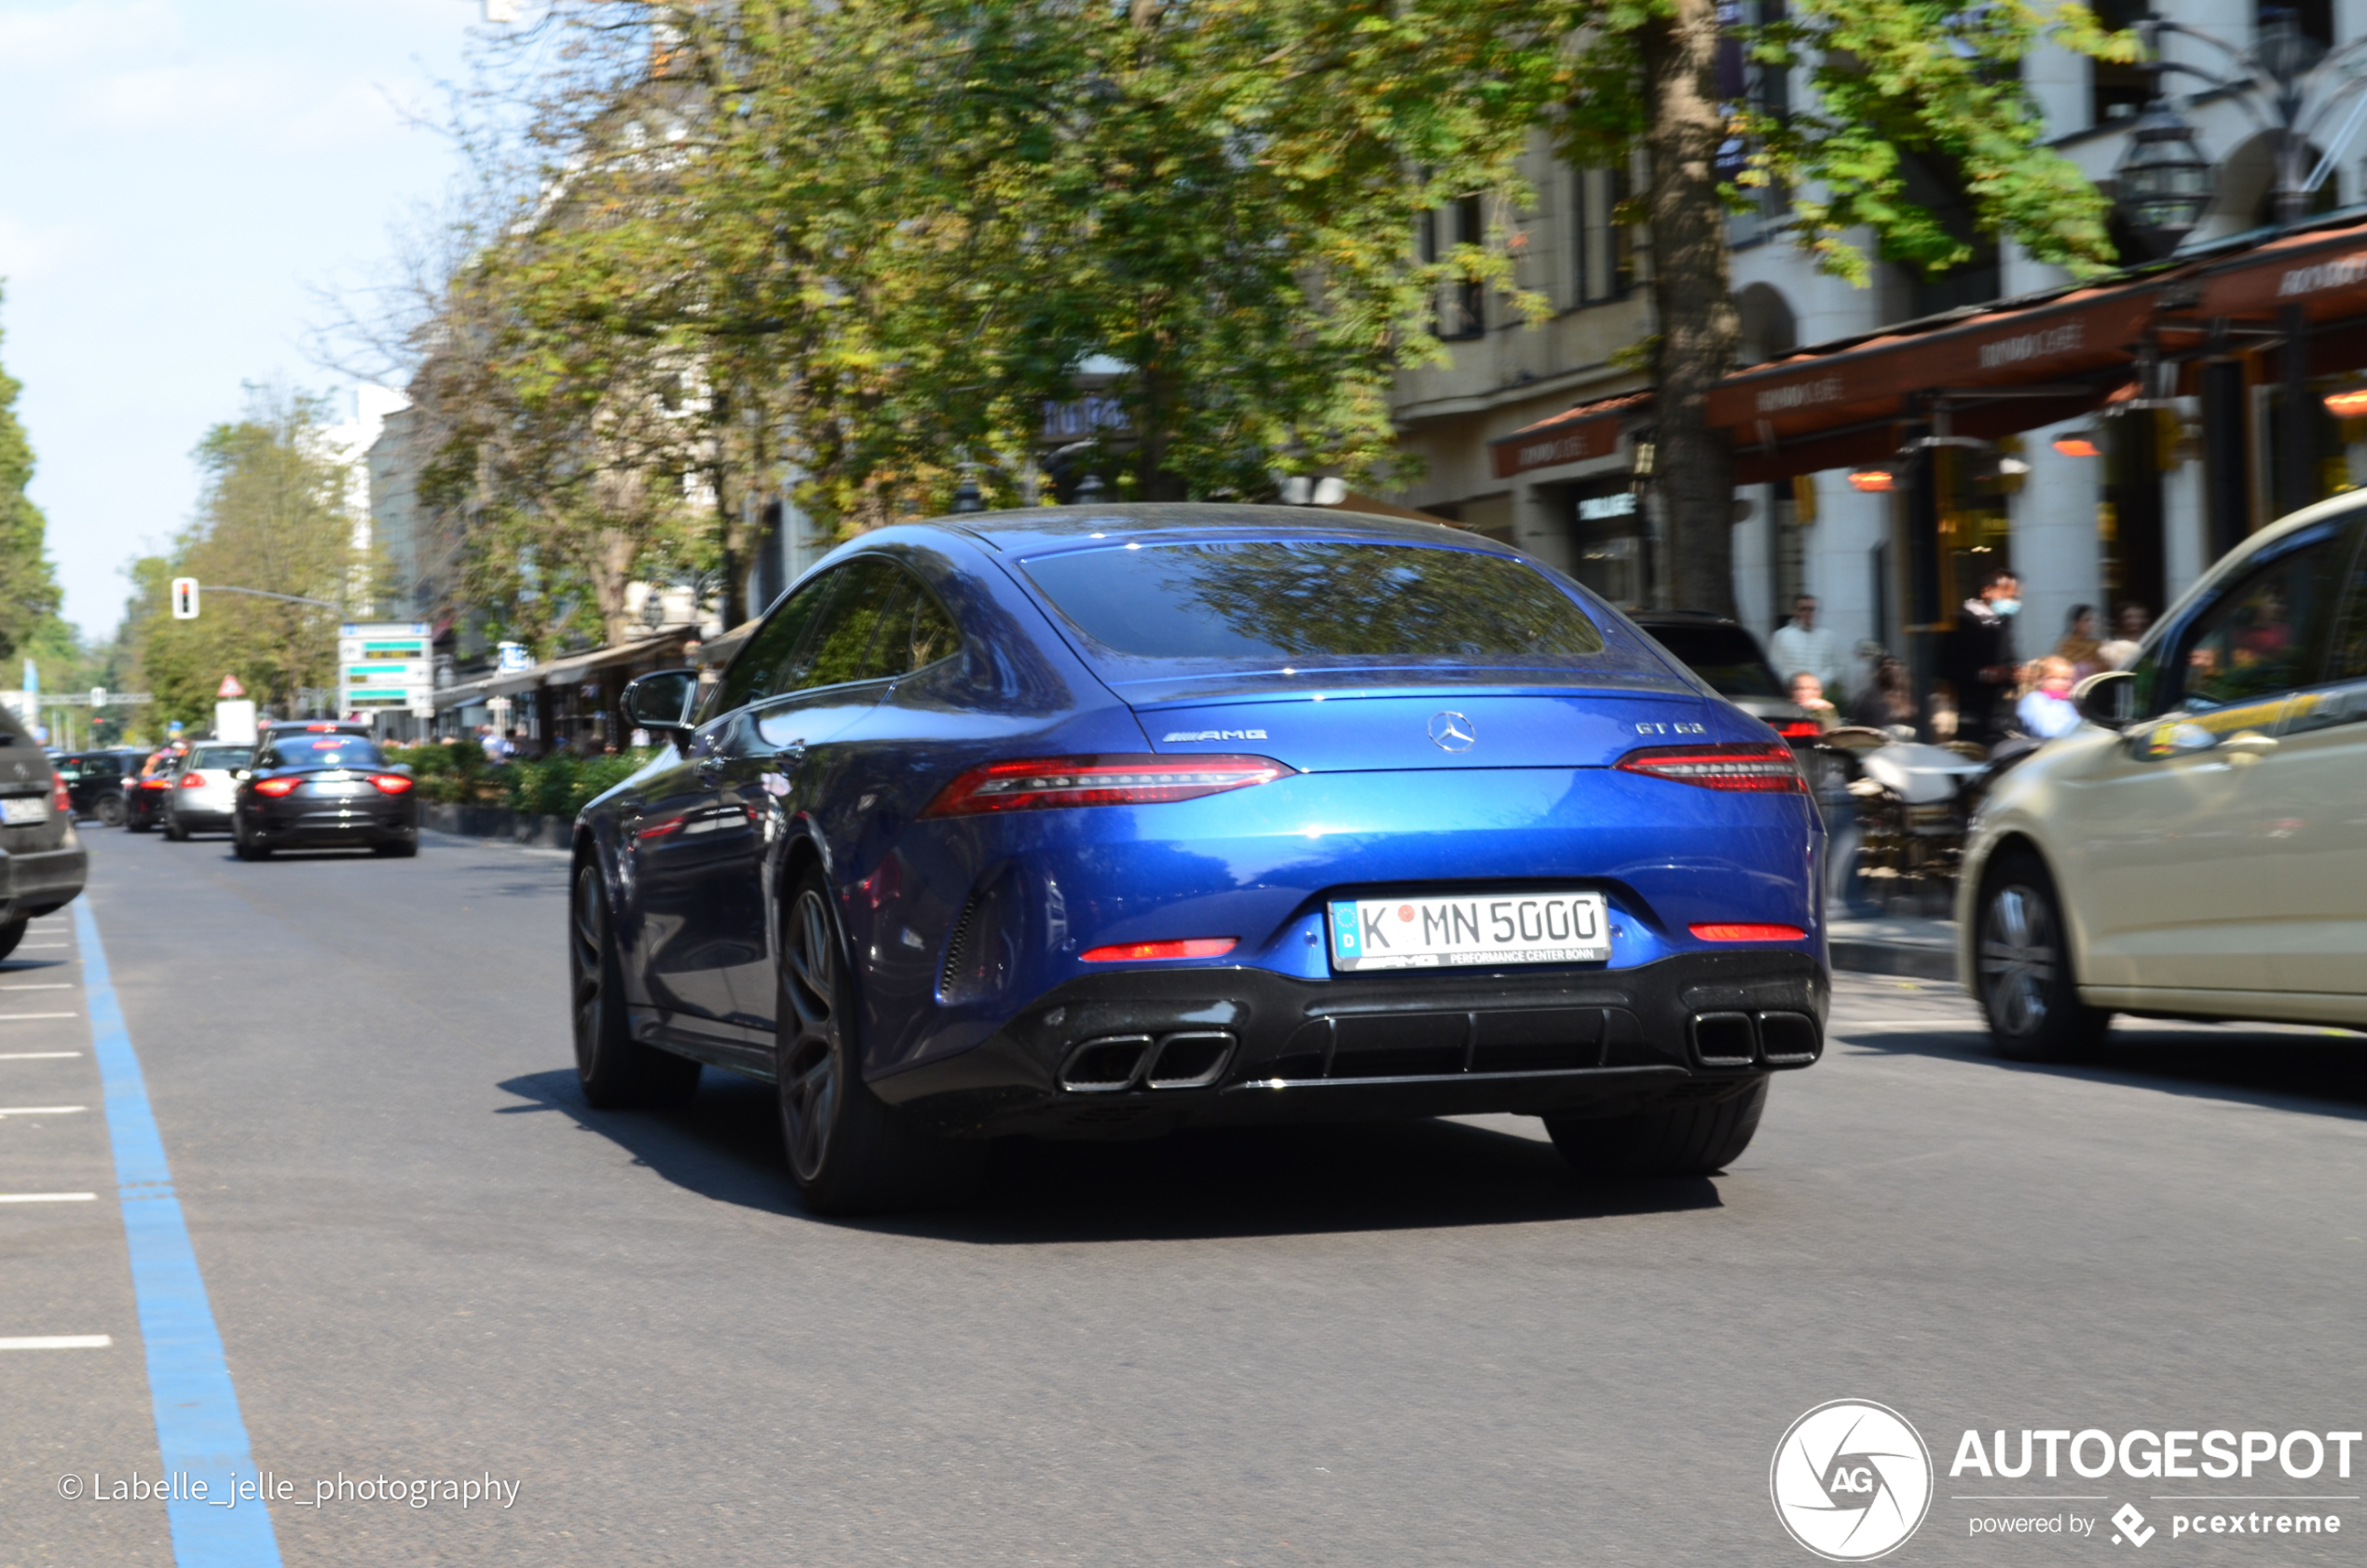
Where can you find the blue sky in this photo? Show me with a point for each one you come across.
(178, 176)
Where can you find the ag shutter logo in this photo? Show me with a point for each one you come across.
(1850, 1481)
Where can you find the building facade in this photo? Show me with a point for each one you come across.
(1532, 433)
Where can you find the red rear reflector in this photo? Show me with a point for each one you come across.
(1799, 729)
(276, 787)
(390, 784)
(155, 783)
(1191, 946)
(60, 797)
(192, 780)
(1044, 783)
(1749, 933)
(1751, 767)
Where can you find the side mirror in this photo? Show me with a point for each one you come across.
(661, 701)
(2107, 699)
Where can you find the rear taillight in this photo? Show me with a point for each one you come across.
(155, 783)
(1749, 767)
(60, 798)
(1191, 946)
(276, 787)
(390, 784)
(1741, 933)
(1799, 729)
(192, 780)
(1044, 783)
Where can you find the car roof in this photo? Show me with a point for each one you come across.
(1039, 527)
(1682, 618)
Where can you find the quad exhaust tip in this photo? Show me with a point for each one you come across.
(1729, 1039)
(1112, 1064)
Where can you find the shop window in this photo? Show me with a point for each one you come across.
(2338, 447)
(1606, 538)
(1461, 311)
(1786, 546)
(2313, 19)
(1606, 251)
(1976, 529)
(2116, 91)
(2137, 448)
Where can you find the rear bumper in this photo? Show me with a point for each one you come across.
(1092, 1058)
(41, 881)
(370, 822)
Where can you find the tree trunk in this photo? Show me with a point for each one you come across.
(1700, 332)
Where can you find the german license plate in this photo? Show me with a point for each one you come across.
(28, 809)
(1482, 929)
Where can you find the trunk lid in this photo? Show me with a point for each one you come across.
(1365, 733)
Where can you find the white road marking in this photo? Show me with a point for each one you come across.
(34, 1056)
(59, 1341)
(22, 947)
(40, 1110)
(46, 1197)
(56, 985)
(21, 1018)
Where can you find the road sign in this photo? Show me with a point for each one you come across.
(231, 687)
(385, 664)
(184, 598)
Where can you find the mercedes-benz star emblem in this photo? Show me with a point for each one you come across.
(1451, 731)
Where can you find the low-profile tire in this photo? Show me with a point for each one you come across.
(110, 811)
(2022, 968)
(1692, 1137)
(617, 1072)
(245, 847)
(143, 825)
(174, 832)
(11, 932)
(399, 850)
(848, 1150)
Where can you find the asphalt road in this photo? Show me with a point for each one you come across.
(1419, 1344)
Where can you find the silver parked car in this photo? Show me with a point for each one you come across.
(205, 789)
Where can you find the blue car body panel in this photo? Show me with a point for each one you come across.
(962, 929)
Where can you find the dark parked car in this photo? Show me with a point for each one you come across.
(324, 786)
(42, 860)
(145, 792)
(94, 781)
(1092, 822)
(1724, 653)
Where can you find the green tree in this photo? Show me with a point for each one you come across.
(272, 515)
(28, 588)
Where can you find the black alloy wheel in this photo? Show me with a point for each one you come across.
(174, 832)
(1692, 1137)
(242, 843)
(848, 1151)
(109, 811)
(11, 932)
(617, 1072)
(2028, 991)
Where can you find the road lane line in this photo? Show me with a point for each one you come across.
(46, 1197)
(59, 1341)
(41, 1110)
(45, 986)
(13, 1018)
(199, 1427)
(34, 1056)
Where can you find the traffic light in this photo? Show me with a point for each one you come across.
(184, 598)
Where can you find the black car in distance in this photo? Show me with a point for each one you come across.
(324, 786)
(94, 781)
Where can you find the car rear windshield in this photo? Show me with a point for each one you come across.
(323, 751)
(1727, 657)
(1318, 603)
(220, 756)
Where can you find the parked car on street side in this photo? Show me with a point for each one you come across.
(144, 792)
(43, 864)
(1092, 822)
(2199, 849)
(205, 789)
(1723, 652)
(95, 782)
(323, 786)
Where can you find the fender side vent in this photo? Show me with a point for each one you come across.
(957, 946)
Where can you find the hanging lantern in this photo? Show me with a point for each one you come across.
(1874, 482)
(2079, 444)
(2348, 404)
(2163, 183)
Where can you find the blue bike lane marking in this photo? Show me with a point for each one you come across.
(200, 1433)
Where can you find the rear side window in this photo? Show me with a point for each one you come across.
(762, 666)
(220, 756)
(1264, 603)
(1727, 657)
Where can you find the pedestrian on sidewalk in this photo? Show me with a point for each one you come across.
(1981, 662)
(2046, 710)
(1800, 644)
(2080, 646)
(2121, 651)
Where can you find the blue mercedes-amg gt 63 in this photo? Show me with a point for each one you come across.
(1106, 821)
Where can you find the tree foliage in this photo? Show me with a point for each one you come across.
(28, 588)
(272, 515)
